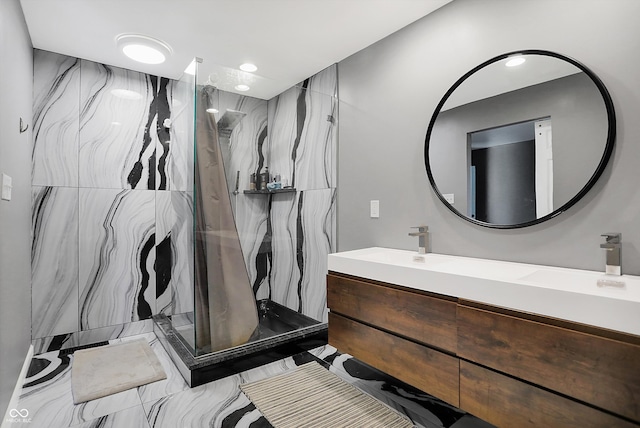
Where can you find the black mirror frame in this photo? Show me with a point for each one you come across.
(611, 136)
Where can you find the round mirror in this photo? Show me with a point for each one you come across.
(519, 139)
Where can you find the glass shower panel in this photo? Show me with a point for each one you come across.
(225, 308)
(182, 196)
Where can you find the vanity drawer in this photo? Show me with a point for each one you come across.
(429, 370)
(426, 319)
(507, 402)
(597, 370)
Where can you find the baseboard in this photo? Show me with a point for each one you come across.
(8, 419)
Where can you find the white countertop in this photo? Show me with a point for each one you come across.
(582, 296)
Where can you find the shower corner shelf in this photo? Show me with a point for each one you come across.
(269, 192)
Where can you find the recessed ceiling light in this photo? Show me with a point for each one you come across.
(145, 49)
(212, 110)
(126, 94)
(515, 61)
(242, 88)
(248, 67)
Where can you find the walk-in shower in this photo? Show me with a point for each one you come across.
(222, 318)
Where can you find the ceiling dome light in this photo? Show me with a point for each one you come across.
(242, 88)
(515, 61)
(143, 49)
(248, 67)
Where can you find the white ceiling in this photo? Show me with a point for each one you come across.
(289, 40)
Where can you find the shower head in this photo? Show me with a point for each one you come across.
(228, 121)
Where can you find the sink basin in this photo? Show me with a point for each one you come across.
(585, 282)
(576, 295)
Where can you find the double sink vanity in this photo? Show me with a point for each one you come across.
(514, 344)
(515, 142)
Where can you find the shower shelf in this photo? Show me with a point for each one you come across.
(269, 192)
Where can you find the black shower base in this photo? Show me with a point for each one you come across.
(281, 333)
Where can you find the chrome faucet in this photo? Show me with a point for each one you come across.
(613, 245)
(423, 238)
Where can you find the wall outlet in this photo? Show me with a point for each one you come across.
(375, 209)
(449, 198)
(6, 187)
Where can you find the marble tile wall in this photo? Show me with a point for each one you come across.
(293, 241)
(99, 155)
(112, 200)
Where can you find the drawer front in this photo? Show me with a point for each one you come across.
(599, 371)
(426, 319)
(426, 369)
(507, 402)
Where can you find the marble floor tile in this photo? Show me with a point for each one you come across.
(172, 384)
(209, 405)
(133, 417)
(46, 394)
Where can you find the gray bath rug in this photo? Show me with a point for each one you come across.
(312, 397)
(105, 370)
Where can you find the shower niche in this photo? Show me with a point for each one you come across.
(247, 276)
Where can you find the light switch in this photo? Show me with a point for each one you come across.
(6, 187)
(375, 209)
(449, 197)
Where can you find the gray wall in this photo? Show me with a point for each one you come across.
(16, 71)
(389, 91)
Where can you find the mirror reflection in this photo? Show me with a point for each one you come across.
(512, 145)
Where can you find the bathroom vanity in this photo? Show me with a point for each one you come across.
(514, 344)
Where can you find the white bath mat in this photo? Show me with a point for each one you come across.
(105, 370)
(312, 397)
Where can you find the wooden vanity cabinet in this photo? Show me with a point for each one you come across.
(508, 402)
(593, 368)
(388, 328)
(506, 367)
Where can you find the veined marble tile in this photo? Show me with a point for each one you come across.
(160, 113)
(316, 155)
(182, 252)
(216, 404)
(133, 417)
(174, 382)
(282, 133)
(117, 254)
(318, 226)
(179, 165)
(287, 252)
(302, 128)
(326, 81)
(47, 395)
(209, 405)
(56, 88)
(115, 332)
(120, 127)
(254, 230)
(88, 337)
(303, 236)
(54, 261)
(43, 345)
(165, 218)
